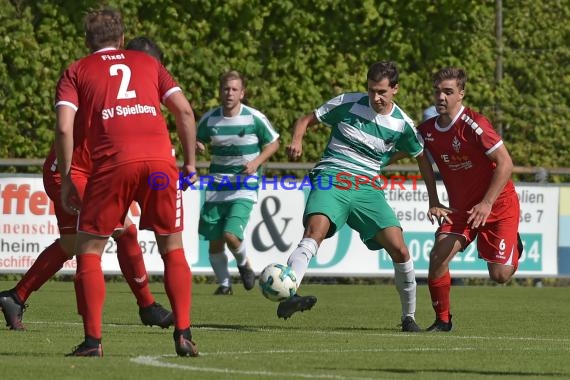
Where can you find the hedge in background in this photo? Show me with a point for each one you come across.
(300, 53)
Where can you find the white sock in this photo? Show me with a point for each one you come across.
(240, 254)
(405, 278)
(301, 257)
(219, 262)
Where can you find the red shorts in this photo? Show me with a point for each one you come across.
(497, 239)
(67, 223)
(110, 192)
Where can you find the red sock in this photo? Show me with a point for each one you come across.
(90, 285)
(439, 290)
(46, 265)
(178, 285)
(131, 261)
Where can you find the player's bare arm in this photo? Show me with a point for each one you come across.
(267, 151)
(397, 157)
(295, 149)
(437, 211)
(480, 212)
(186, 129)
(65, 117)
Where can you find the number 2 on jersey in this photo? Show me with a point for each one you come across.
(124, 92)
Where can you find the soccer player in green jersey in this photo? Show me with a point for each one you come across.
(241, 139)
(365, 127)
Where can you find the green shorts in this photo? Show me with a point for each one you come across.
(219, 217)
(365, 210)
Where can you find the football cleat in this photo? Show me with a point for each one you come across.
(409, 325)
(12, 309)
(89, 348)
(156, 315)
(294, 304)
(183, 343)
(247, 275)
(440, 326)
(224, 291)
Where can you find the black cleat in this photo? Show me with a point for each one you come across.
(12, 309)
(440, 326)
(224, 291)
(156, 315)
(89, 348)
(247, 275)
(294, 304)
(520, 245)
(183, 343)
(409, 325)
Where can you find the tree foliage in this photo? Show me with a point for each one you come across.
(297, 54)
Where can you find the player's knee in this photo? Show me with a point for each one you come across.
(231, 239)
(399, 254)
(126, 233)
(501, 277)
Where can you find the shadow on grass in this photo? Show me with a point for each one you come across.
(257, 328)
(465, 371)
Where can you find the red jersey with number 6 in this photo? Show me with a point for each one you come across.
(460, 151)
(117, 93)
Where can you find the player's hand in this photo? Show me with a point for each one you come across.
(70, 199)
(200, 148)
(188, 170)
(294, 151)
(478, 214)
(439, 213)
(250, 167)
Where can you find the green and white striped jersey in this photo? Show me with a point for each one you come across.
(234, 142)
(361, 139)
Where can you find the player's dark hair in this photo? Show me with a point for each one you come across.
(146, 45)
(451, 73)
(103, 28)
(383, 69)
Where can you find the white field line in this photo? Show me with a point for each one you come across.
(155, 361)
(272, 330)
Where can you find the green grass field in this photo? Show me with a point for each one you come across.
(352, 333)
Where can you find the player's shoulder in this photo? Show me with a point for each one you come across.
(399, 114)
(213, 112)
(427, 125)
(348, 98)
(475, 120)
(248, 110)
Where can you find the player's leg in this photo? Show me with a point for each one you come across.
(498, 242)
(392, 240)
(50, 260)
(90, 291)
(219, 263)
(379, 228)
(178, 286)
(325, 212)
(446, 246)
(211, 227)
(102, 210)
(317, 226)
(48, 263)
(163, 213)
(234, 227)
(131, 262)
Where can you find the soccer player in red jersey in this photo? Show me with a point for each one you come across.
(120, 92)
(51, 260)
(475, 167)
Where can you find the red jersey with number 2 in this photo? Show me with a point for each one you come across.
(122, 110)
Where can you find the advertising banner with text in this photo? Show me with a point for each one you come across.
(28, 225)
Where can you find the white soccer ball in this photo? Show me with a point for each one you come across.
(278, 282)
